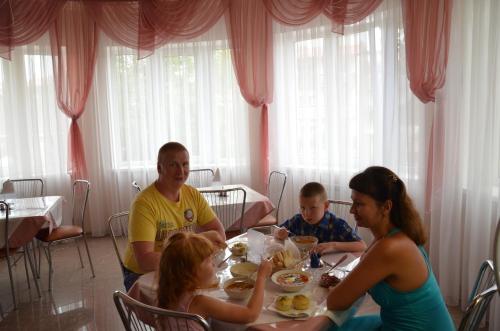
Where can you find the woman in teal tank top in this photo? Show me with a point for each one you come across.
(395, 269)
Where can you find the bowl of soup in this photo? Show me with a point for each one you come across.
(291, 280)
(243, 269)
(304, 243)
(239, 288)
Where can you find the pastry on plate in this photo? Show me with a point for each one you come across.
(283, 303)
(300, 302)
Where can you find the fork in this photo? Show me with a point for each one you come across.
(342, 259)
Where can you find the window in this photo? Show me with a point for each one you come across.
(342, 102)
(33, 131)
(184, 92)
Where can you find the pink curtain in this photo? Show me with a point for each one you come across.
(73, 38)
(249, 27)
(427, 36)
(24, 21)
(340, 12)
(148, 24)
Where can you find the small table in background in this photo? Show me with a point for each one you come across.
(28, 216)
(256, 206)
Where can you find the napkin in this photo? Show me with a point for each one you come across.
(340, 316)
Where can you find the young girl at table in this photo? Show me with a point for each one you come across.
(186, 265)
(395, 270)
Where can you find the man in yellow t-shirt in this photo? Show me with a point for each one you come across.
(166, 205)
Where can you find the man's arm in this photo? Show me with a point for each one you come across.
(145, 255)
(216, 225)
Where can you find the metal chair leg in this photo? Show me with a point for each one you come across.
(79, 253)
(26, 268)
(88, 254)
(39, 266)
(33, 271)
(36, 260)
(51, 271)
(13, 290)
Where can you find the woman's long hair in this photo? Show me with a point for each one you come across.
(180, 261)
(382, 184)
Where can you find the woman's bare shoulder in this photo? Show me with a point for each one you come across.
(392, 247)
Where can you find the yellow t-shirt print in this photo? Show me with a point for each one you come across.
(162, 233)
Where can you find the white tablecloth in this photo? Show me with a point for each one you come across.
(28, 215)
(256, 206)
(145, 290)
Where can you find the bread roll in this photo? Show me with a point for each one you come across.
(284, 303)
(300, 302)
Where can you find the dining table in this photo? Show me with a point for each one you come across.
(257, 206)
(144, 290)
(27, 216)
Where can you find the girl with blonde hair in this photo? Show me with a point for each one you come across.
(186, 265)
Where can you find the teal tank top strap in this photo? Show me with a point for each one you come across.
(393, 231)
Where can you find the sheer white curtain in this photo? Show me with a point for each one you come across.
(342, 103)
(466, 177)
(184, 92)
(33, 132)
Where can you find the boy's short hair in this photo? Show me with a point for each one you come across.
(313, 189)
(170, 147)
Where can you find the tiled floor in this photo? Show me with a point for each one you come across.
(77, 302)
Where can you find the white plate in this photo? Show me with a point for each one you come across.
(294, 313)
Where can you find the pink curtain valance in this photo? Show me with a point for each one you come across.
(146, 25)
(340, 12)
(24, 21)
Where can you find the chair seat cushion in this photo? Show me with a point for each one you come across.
(59, 233)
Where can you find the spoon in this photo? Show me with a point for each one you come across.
(342, 259)
(223, 261)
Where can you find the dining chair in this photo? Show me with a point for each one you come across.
(26, 187)
(136, 315)
(342, 209)
(275, 188)
(482, 293)
(228, 205)
(8, 253)
(118, 227)
(200, 177)
(496, 255)
(81, 190)
(136, 187)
